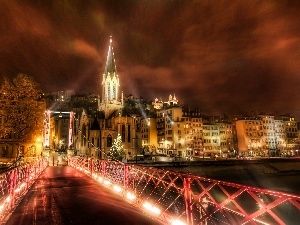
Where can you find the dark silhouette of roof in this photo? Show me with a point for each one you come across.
(95, 124)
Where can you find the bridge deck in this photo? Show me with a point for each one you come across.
(62, 195)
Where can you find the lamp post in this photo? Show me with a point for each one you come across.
(203, 152)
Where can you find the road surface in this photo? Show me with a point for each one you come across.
(63, 195)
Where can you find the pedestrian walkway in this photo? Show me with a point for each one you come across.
(63, 195)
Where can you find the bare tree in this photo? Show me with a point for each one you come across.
(23, 109)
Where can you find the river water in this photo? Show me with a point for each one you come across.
(283, 177)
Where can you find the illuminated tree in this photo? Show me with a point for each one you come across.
(23, 111)
(116, 152)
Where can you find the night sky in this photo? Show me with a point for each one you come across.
(220, 56)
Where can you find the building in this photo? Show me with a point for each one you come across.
(211, 140)
(170, 130)
(280, 135)
(98, 128)
(226, 139)
(149, 135)
(192, 133)
(251, 141)
(269, 134)
(291, 131)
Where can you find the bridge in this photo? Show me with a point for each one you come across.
(90, 191)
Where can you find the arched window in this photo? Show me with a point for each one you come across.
(114, 91)
(83, 143)
(123, 133)
(108, 90)
(109, 141)
(128, 136)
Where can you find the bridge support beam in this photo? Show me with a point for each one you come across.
(187, 199)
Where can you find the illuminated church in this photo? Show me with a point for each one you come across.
(99, 128)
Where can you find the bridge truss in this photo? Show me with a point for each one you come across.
(184, 199)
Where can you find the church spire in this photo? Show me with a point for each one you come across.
(110, 86)
(110, 67)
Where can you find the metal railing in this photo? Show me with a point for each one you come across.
(178, 198)
(15, 183)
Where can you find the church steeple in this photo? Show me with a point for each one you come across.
(110, 67)
(110, 82)
(110, 99)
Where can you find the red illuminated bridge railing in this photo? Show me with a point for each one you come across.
(15, 183)
(178, 199)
